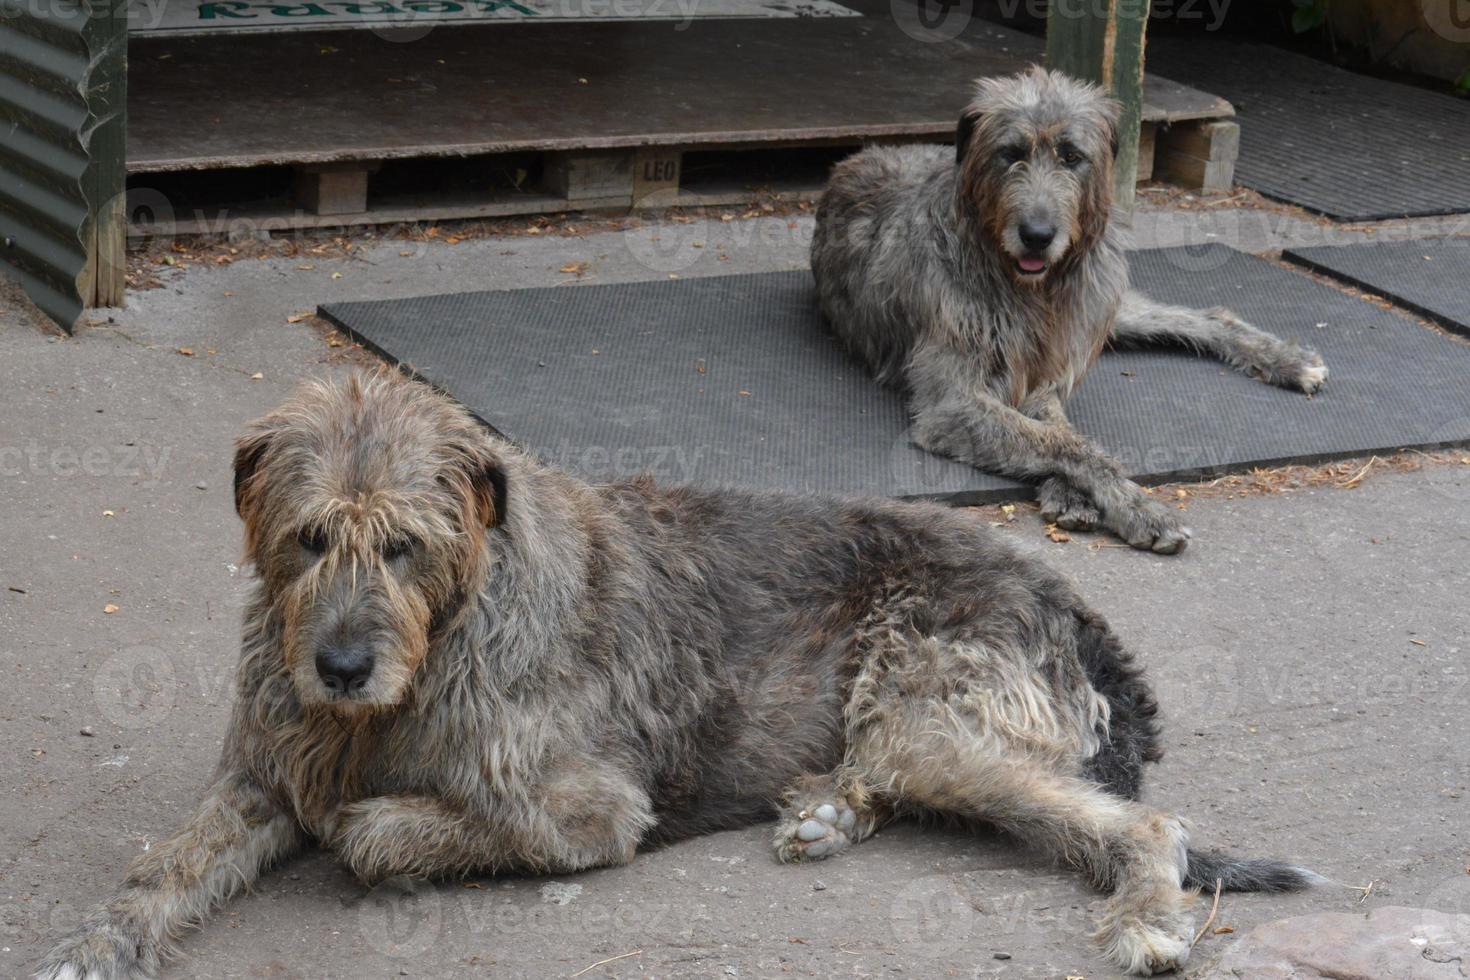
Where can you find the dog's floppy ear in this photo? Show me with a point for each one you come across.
(478, 477)
(962, 134)
(488, 486)
(250, 449)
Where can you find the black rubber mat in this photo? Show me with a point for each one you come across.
(1345, 145)
(1432, 278)
(734, 379)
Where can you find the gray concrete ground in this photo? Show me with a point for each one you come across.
(1309, 652)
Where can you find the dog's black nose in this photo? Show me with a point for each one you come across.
(344, 670)
(1037, 235)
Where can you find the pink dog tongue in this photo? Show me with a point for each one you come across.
(1032, 264)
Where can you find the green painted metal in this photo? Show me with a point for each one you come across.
(63, 92)
(1102, 42)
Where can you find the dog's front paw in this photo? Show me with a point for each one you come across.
(1067, 507)
(1147, 524)
(103, 949)
(374, 838)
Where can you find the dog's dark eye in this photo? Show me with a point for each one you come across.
(1009, 156)
(396, 548)
(1070, 157)
(313, 540)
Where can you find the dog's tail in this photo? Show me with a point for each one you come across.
(1246, 874)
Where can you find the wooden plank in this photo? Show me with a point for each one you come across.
(1102, 42)
(1166, 101)
(1199, 155)
(417, 210)
(1208, 141)
(795, 82)
(655, 170)
(588, 175)
(412, 211)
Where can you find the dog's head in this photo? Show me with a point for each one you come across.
(1034, 157)
(366, 504)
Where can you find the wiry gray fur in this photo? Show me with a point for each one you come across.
(562, 673)
(917, 258)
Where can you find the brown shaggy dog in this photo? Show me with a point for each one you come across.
(457, 659)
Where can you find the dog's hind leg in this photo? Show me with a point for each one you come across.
(1137, 853)
(822, 815)
(236, 831)
(1000, 731)
(1143, 322)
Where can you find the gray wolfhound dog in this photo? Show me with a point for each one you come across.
(984, 281)
(457, 659)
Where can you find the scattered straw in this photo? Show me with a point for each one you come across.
(1358, 477)
(1346, 474)
(1214, 909)
(610, 959)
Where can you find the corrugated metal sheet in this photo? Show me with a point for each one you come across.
(62, 81)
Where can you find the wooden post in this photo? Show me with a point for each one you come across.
(1102, 41)
(1147, 141)
(105, 236)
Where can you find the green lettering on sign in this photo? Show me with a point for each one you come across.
(299, 10)
(228, 8)
(490, 6)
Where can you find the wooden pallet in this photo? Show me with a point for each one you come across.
(608, 111)
(1197, 155)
